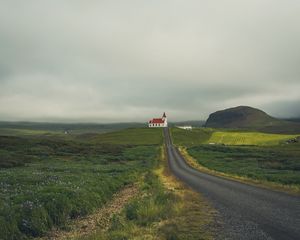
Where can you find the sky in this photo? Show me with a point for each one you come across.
(120, 61)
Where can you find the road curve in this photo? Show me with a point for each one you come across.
(248, 212)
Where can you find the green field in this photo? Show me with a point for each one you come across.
(47, 180)
(280, 164)
(33, 128)
(255, 155)
(248, 138)
(195, 137)
(140, 136)
(214, 136)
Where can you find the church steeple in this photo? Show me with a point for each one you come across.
(164, 115)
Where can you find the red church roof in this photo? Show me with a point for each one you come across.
(157, 120)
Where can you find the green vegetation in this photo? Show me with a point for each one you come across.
(154, 205)
(16, 128)
(248, 138)
(194, 137)
(164, 209)
(253, 155)
(278, 164)
(47, 180)
(141, 136)
(199, 136)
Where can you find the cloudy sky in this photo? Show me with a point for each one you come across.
(102, 61)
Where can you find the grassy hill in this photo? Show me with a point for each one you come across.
(250, 118)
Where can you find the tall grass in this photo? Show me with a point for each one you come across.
(155, 204)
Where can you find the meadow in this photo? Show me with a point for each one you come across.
(254, 155)
(248, 138)
(47, 180)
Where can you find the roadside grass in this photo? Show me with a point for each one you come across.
(47, 181)
(164, 209)
(251, 165)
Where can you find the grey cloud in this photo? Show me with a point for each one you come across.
(128, 60)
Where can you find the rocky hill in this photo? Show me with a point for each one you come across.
(250, 118)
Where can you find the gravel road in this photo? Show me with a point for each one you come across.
(248, 212)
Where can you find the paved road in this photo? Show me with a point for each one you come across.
(248, 212)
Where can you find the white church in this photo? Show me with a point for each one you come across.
(159, 122)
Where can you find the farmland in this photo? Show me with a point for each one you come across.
(253, 155)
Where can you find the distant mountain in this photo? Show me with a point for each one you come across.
(293, 119)
(250, 118)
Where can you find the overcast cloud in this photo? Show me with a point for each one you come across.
(101, 61)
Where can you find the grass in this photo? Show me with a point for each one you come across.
(28, 132)
(137, 220)
(164, 209)
(194, 137)
(140, 136)
(248, 138)
(74, 128)
(46, 180)
(261, 157)
(274, 164)
(199, 136)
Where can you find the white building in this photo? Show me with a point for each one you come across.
(185, 127)
(159, 122)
